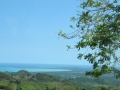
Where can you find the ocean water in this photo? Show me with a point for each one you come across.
(14, 67)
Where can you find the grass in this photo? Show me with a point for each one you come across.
(4, 82)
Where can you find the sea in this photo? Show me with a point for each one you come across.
(14, 67)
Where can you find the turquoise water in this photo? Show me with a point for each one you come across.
(31, 68)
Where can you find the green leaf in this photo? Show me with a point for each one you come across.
(80, 56)
(68, 46)
(72, 18)
(71, 26)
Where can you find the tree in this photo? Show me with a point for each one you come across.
(98, 29)
(20, 88)
(3, 87)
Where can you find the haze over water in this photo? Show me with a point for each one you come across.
(12, 67)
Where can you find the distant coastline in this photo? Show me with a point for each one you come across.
(14, 67)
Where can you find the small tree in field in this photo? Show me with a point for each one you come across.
(98, 29)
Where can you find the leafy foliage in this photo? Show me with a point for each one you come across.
(3, 87)
(22, 72)
(20, 88)
(46, 77)
(98, 28)
(75, 81)
(5, 76)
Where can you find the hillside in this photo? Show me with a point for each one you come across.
(43, 81)
(39, 81)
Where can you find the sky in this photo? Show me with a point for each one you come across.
(29, 32)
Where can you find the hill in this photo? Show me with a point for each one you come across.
(38, 81)
(42, 81)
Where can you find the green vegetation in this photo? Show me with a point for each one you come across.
(73, 80)
(3, 87)
(23, 80)
(98, 30)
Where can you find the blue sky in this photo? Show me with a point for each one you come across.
(29, 31)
